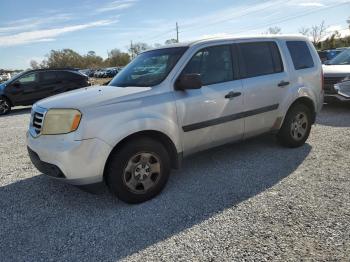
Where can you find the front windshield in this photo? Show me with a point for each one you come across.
(342, 59)
(149, 68)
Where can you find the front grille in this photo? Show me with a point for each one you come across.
(37, 120)
(344, 89)
(329, 83)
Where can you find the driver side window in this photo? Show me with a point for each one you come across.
(28, 78)
(214, 64)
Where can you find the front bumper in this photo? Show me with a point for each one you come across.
(61, 157)
(328, 98)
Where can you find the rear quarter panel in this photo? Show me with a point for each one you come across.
(305, 82)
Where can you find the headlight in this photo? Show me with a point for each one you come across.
(61, 121)
(337, 87)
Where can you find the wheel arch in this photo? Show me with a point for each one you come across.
(175, 157)
(307, 102)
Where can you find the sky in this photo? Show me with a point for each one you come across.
(30, 29)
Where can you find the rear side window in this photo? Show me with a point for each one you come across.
(300, 54)
(214, 64)
(259, 58)
(66, 75)
(48, 76)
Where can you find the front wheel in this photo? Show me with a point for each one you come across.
(296, 127)
(138, 171)
(5, 106)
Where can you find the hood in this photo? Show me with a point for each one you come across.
(336, 70)
(90, 96)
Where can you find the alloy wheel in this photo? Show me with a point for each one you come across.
(299, 126)
(142, 172)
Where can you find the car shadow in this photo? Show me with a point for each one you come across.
(18, 111)
(335, 115)
(43, 219)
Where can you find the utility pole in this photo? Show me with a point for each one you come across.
(177, 32)
(131, 50)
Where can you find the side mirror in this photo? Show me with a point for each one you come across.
(188, 81)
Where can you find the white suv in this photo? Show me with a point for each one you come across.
(174, 101)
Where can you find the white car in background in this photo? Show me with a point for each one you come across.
(336, 78)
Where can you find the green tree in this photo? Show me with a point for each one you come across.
(274, 30)
(137, 48)
(91, 60)
(117, 58)
(64, 58)
(170, 41)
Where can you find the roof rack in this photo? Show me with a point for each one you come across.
(54, 68)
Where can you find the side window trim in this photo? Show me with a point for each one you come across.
(235, 62)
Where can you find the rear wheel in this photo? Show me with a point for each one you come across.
(5, 105)
(139, 170)
(296, 126)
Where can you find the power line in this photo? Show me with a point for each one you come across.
(177, 32)
(245, 29)
(237, 17)
(291, 18)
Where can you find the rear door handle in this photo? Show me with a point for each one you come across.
(283, 83)
(232, 95)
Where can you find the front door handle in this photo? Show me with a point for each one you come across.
(283, 83)
(232, 95)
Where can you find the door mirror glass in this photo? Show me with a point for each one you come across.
(189, 81)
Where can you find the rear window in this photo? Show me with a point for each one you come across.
(260, 58)
(300, 54)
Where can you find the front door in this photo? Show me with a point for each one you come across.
(24, 91)
(210, 116)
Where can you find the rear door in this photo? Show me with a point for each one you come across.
(209, 116)
(48, 83)
(265, 83)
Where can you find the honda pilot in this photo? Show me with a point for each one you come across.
(174, 101)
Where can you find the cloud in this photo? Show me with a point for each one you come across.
(312, 4)
(47, 35)
(32, 23)
(116, 5)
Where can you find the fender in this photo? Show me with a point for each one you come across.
(293, 95)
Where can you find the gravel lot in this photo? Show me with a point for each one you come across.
(246, 201)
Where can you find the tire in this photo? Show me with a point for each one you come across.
(5, 106)
(296, 127)
(138, 171)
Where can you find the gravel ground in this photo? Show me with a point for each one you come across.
(246, 201)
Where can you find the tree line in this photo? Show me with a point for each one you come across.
(317, 34)
(70, 58)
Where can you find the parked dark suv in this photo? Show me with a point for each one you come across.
(33, 85)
